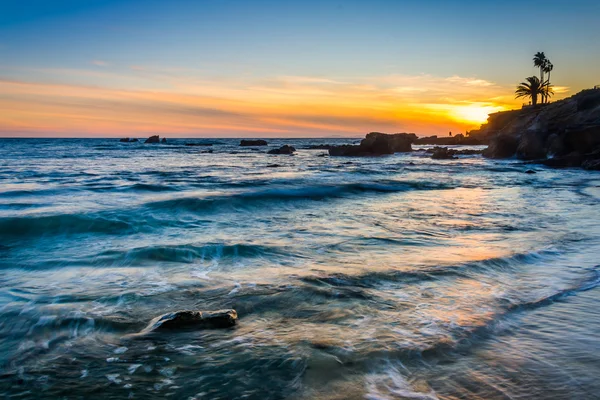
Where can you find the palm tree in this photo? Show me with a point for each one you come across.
(532, 88)
(548, 67)
(539, 61)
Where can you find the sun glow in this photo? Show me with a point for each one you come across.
(475, 113)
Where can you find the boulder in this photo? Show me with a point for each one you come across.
(124, 140)
(376, 144)
(442, 153)
(319, 147)
(187, 320)
(153, 139)
(502, 146)
(164, 140)
(285, 149)
(245, 142)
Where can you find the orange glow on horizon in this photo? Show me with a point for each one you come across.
(283, 106)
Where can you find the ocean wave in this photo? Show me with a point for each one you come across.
(61, 224)
(317, 192)
(188, 253)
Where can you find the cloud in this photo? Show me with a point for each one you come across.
(100, 63)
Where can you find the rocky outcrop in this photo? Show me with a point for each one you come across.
(455, 140)
(565, 133)
(442, 153)
(503, 146)
(246, 143)
(127, 140)
(153, 139)
(376, 144)
(285, 149)
(164, 140)
(186, 320)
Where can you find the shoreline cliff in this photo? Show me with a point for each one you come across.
(565, 133)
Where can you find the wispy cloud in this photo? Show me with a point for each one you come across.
(100, 63)
(188, 102)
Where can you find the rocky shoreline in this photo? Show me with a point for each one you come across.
(563, 134)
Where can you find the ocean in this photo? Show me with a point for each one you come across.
(396, 277)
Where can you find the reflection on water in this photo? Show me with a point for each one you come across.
(353, 278)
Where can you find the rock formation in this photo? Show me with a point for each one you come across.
(565, 133)
(153, 139)
(185, 320)
(285, 149)
(376, 144)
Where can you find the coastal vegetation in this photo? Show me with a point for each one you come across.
(535, 87)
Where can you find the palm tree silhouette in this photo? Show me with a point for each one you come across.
(539, 61)
(533, 88)
(548, 67)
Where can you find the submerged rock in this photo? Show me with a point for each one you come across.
(186, 320)
(530, 171)
(376, 144)
(285, 149)
(153, 139)
(259, 142)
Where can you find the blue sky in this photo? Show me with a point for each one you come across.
(242, 45)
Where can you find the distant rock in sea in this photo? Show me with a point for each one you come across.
(285, 149)
(127, 140)
(459, 139)
(258, 142)
(153, 139)
(376, 144)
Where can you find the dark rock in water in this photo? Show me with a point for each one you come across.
(199, 144)
(322, 155)
(164, 140)
(285, 149)
(273, 165)
(411, 163)
(530, 171)
(502, 147)
(134, 140)
(376, 144)
(246, 142)
(186, 320)
(442, 153)
(124, 140)
(153, 139)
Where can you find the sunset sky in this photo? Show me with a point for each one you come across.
(240, 68)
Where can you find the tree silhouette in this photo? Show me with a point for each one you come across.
(533, 88)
